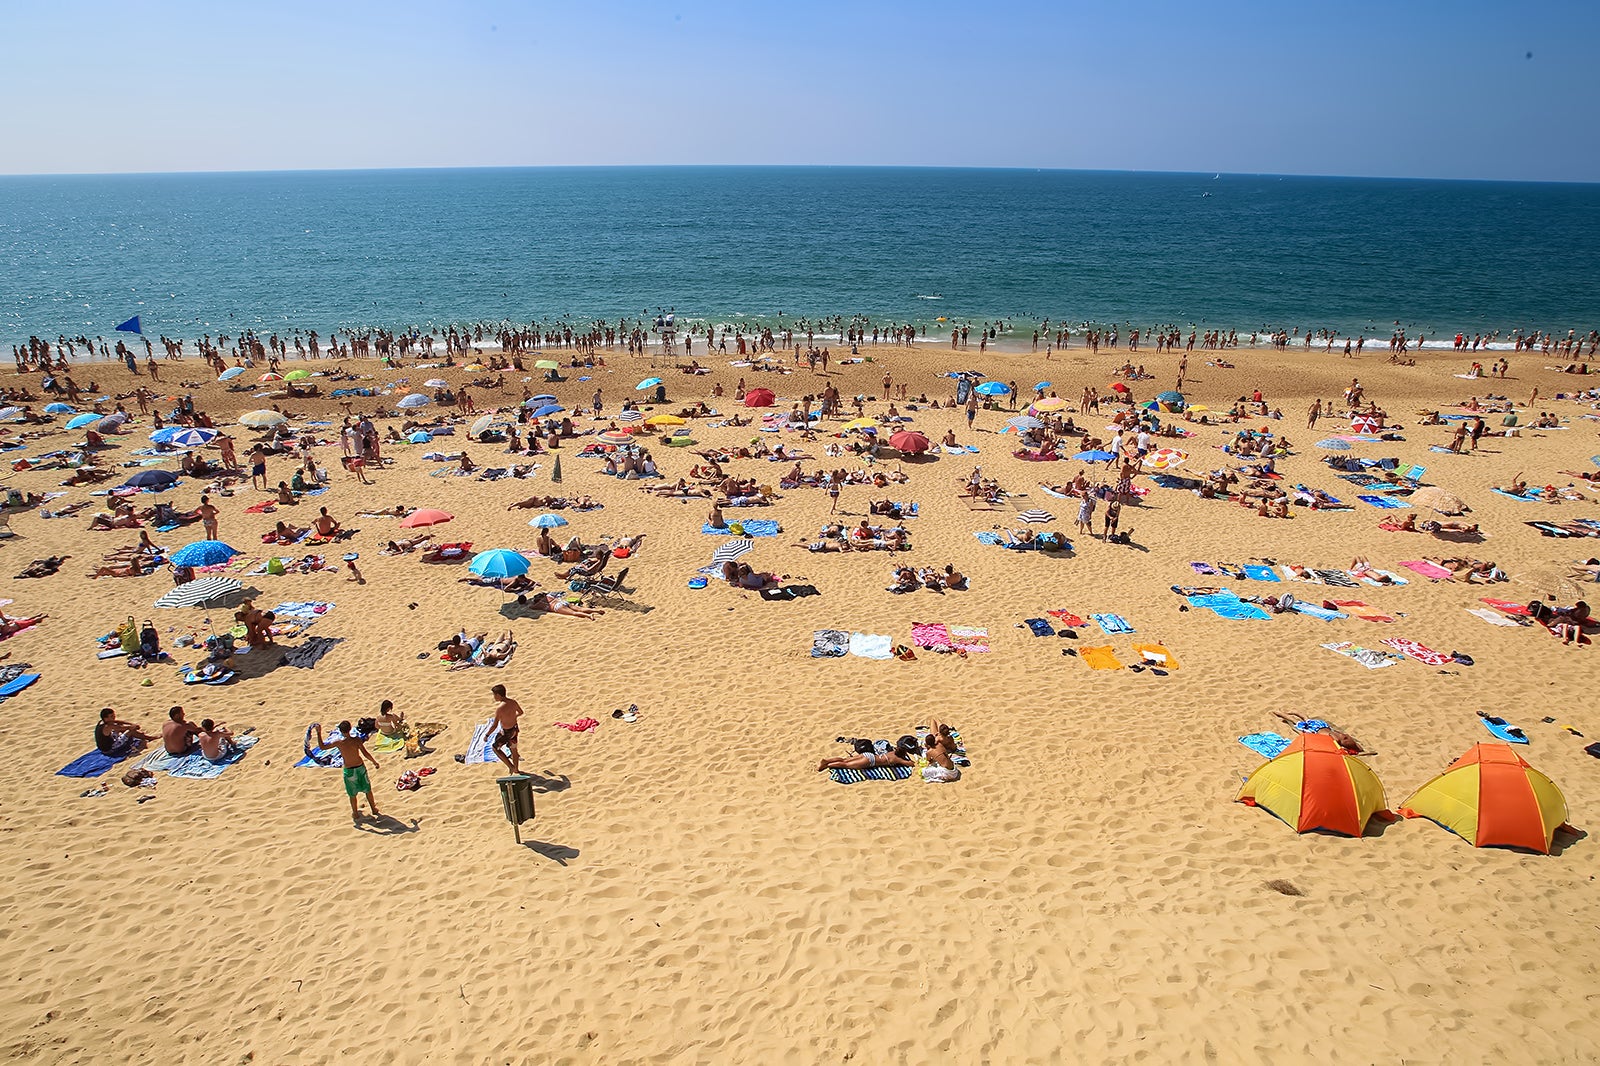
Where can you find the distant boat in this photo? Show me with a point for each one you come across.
(1214, 177)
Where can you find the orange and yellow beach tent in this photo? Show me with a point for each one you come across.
(1315, 785)
(1491, 798)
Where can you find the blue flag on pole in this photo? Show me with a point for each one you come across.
(131, 326)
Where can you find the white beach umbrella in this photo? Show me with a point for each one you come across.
(731, 549)
(200, 591)
(1037, 516)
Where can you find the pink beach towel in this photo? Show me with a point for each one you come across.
(1431, 571)
(930, 635)
(582, 725)
(969, 638)
(1420, 652)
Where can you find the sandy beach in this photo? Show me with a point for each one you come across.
(693, 890)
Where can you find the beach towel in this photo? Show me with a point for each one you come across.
(307, 655)
(1494, 618)
(1040, 627)
(1258, 572)
(877, 773)
(481, 748)
(1431, 571)
(1048, 491)
(1313, 611)
(582, 725)
(1100, 658)
(969, 638)
(986, 537)
(1228, 605)
(1369, 576)
(1386, 502)
(16, 685)
(1363, 611)
(1204, 568)
(1508, 608)
(871, 646)
(753, 527)
(1157, 655)
(829, 643)
(930, 635)
(1368, 657)
(1067, 618)
(198, 767)
(1527, 495)
(1420, 652)
(1268, 745)
(93, 764)
(1111, 624)
(1336, 578)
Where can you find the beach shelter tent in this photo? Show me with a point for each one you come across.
(909, 441)
(1490, 797)
(758, 398)
(1315, 785)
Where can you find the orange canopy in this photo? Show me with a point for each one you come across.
(1490, 797)
(1316, 785)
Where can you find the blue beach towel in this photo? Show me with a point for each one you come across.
(1040, 627)
(1111, 624)
(93, 764)
(986, 537)
(198, 767)
(1527, 496)
(1258, 572)
(753, 527)
(16, 685)
(877, 773)
(1387, 502)
(1270, 745)
(1313, 611)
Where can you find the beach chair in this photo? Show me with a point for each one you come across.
(1413, 476)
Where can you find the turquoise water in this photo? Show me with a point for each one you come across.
(221, 252)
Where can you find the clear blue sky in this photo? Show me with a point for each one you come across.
(1402, 88)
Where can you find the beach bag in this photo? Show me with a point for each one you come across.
(149, 640)
(128, 635)
(275, 566)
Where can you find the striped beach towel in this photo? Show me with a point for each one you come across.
(877, 773)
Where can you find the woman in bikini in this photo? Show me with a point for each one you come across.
(902, 754)
(541, 601)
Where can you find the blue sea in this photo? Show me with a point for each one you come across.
(218, 253)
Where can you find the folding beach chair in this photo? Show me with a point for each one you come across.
(1413, 476)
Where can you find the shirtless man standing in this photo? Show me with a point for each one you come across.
(506, 713)
(352, 750)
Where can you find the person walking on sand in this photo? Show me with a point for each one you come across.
(352, 750)
(506, 713)
(1314, 414)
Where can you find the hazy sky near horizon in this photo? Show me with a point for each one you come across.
(1421, 88)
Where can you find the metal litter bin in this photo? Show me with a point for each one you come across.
(516, 796)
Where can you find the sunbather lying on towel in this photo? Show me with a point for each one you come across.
(902, 754)
(1349, 743)
(43, 567)
(409, 544)
(10, 626)
(541, 601)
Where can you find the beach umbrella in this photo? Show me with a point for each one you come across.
(993, 388)
(1025, 422)
(110, 423)
(614, 437)
(630, 416)
(910, 441)
(1165, 458)
(1171, 396)
(297, 375)
(435, 383)
(1334, 444)
(478, 428)
(1315, 784)
(1049, 403)
(1095, 456)
(664, 420)
(1364, 424)
(427, 516)
(543, 397)
(548, 521)
(263, 419)
(555, 471)
(473, 368)
(1119, 387)
(547, 410)
(859, 423)
(421, 436)
(200, 591)
(270, 376)
(230, 373)
(203, 553)
(647, 383)
(499, 563)
(9, 412)
(59, 409)
(88, 418)
(547, 364)
(1037, 517)
(152, 479)
(1042, 384)
(189, 437)
(758, 398)
(1196, 407)
(415, 399)
(731, 549)
(1490, 797)
(1438, 499)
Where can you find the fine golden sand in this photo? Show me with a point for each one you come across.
(692, 891)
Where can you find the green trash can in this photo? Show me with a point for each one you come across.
(516, 796)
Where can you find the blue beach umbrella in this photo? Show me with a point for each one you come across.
(420, 437)
(993, 388)
(547, 409)
(203, 553)
(230, 373)
(416, 399)
(543, 397)
(1095, 456)
(59, 409)
(647, 383)
(1334, 444)
(191, 437)
(88, 418)
(548, 521)
(165, 434)
(1043, 384)
(499, 563)
(1171, 397)
(152, 479)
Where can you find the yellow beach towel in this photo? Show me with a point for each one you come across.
(1100, 658)
(1157, 655)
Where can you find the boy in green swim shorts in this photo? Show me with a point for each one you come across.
(352, 750)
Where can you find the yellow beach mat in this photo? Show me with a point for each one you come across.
(1100, 658)
(1157, 655)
